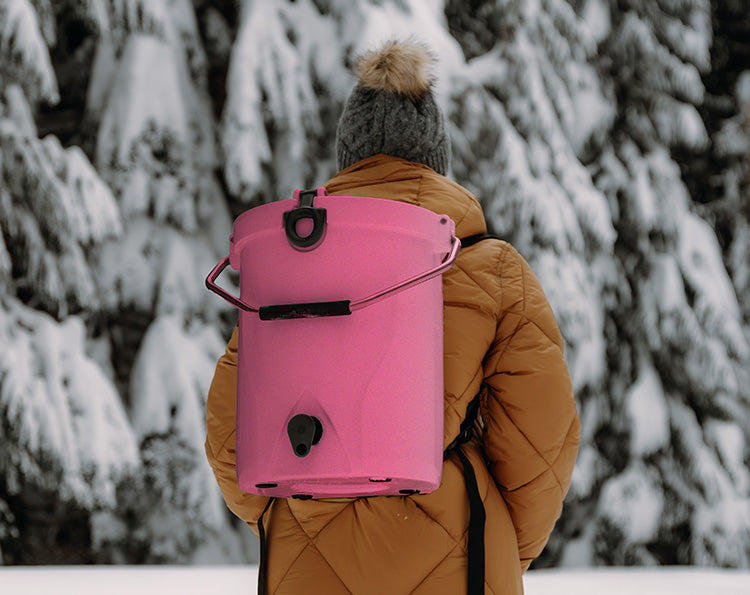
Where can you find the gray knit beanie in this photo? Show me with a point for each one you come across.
(392, 109)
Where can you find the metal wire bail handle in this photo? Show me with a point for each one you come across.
(416, 280)
(220, 291)
(350, 306)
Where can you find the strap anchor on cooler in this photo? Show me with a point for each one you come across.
(306, 210)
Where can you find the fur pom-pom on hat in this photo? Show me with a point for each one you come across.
(392, 110)
(402, 67)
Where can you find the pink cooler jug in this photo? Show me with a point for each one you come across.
(340, 356)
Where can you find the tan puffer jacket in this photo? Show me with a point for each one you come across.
(500, 337)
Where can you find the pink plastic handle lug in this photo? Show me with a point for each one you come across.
(211, 284)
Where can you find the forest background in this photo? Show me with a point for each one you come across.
(608, 140)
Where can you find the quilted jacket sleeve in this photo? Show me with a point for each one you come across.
(531, 425)
(220, 434)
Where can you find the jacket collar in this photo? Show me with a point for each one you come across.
(385, 176)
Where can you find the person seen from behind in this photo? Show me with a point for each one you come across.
(501, 343)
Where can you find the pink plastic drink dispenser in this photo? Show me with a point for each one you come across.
(340, 356)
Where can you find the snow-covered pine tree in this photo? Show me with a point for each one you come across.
(719, 179)
(285, 86)
(154, 143)
(733, 214)
(66, 440)
(527, 103)
(530, 105)
(649, 314)
(688, 409)
(84, 253)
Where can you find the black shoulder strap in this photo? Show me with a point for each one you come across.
(477, 514)
(471, 240)
(477, 517)
(466, 430)
(262, 563)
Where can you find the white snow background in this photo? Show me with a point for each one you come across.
(201, 580)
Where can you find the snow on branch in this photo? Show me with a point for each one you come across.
(118, 19)
(690, 40)
(144, 141)
(154, 268)
(678, 123)
(97, 216)
(720, 522)
(269, 87)
(191, 360)
(30, 177)
(156, 138)
(24, 56)
(53, 203)
(570, 288)
(633, 502)
(570, 26)
(654, 64)
(173, 404)
(5, 260)
(716, 303)
(146, 90)
(66, 428)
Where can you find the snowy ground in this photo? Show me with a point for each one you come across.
(121, 580)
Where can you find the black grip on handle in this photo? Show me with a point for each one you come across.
(311, 310)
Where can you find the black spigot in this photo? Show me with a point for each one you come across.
(304, 432)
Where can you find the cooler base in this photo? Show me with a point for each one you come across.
(340, 487)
